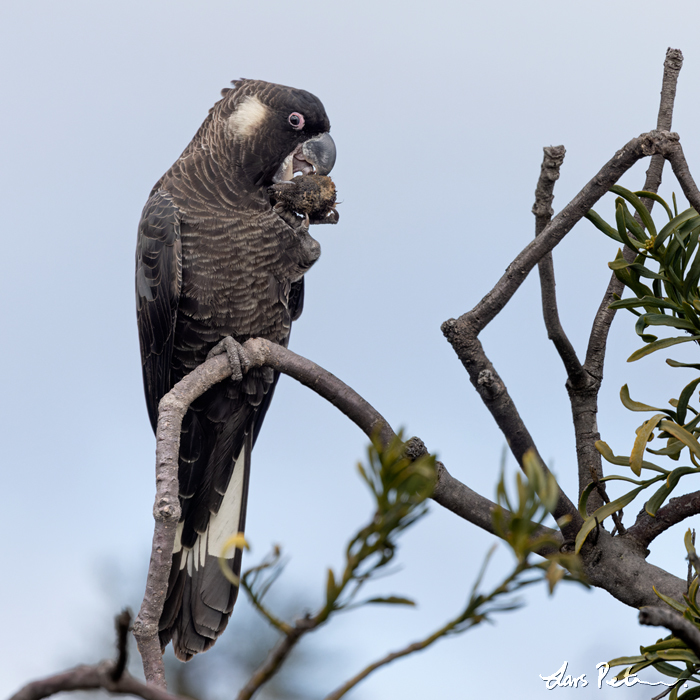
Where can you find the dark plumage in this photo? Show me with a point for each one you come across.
(213, 260)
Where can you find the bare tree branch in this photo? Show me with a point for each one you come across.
(122, 623)
(277, 656)
(584, 400)
(91, 678)
(595, 354)
(683, 629)
(644, 145)
(107, 675)
(462, 332)
(647, 528)
(542, 209)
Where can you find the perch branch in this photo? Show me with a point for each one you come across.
(449, 491)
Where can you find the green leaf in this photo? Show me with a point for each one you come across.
(643, 212)
(637, 231)
(664, 320)
(643, 194)
(672, 225)
(603, 226)
(683, 400)
(658, 499)
(673, 643)
(621, 461)
(643, 433)
(621, 222)
(681, 434)
(331, 588)
(690, 694)
(659, 345)
(646, 302)
(678, 655)
(603, 512)
(674, 363)
(678, 607)
(626, 661)
(632, 405)
(391, 600)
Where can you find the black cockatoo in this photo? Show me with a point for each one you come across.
(218, 256)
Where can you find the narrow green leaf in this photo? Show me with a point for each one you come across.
(678, 655)
(603, 512)
(640, 443)
(659, 345)
(644, 214)
(675, 363)
(673, 643)
(643, 194)
(637, 231)
(660, 496)
(331, 588)
(680, 433)
(626, 661)
(621, 222)
(391, 600)
(622, 461)
(645, 272)
(691, 316)
(683, 400)
(603, 226)
(647, 302)
(663, 320)
(691, 279)
(678, 607)
(632, 405)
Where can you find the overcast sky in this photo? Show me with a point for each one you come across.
(439, 112)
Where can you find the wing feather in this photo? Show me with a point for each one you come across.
(158, 283)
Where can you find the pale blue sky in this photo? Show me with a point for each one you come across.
(439, 111)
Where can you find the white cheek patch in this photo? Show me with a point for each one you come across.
(248, 117)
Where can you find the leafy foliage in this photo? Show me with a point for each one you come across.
(669, 261)
(671, 649)
(400, 487)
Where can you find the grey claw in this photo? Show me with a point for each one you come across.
(236, 356)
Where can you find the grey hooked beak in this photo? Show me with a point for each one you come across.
(320, 152)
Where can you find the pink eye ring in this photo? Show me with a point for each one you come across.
(296, 121)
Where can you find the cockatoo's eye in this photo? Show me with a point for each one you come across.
(296, 121)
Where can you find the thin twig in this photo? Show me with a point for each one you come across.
(585, 406)
(542, 209)
(122, 623)
(276, 657)
(107, 675)
(91, 678)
